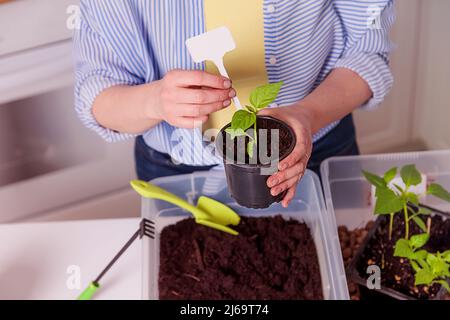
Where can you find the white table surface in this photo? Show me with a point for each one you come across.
(35, 257)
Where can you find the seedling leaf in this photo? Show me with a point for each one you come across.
(263, 96)
(423, 264)
(420, 223)
(375, 180)
(446, 256)
(438, 191)
(438, 265)
(424, 211)
(419, 255)
(243, 120)
(403, 249)
(423, 277)
(413, 198)
(415, 266)
(387, 202)
(419, 240)
(390, 174)
(234, 133)
(410, 175)
(429, 268)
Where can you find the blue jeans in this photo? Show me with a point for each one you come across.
(341, 141)
(152, 164)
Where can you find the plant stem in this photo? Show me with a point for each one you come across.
(405, 211)
(255, 129)
(391, 225)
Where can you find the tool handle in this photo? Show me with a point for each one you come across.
(148, 190)
(89, 292)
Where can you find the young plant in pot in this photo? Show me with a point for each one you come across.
(252, 146)
(409, 243)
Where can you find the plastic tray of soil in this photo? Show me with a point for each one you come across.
(397, 275)
(348, 194)
(308, 208)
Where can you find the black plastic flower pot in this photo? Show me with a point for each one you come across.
(247, 177)
(355, 272)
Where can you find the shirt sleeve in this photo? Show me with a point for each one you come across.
(367, 25)
(105, 56)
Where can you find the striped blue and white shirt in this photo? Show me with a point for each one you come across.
(133, 42)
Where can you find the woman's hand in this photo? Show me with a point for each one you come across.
(186, 98)
(292, 168)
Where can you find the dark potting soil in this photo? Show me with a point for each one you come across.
(397, 273)
(284, 145)
(272, 258)
(350, 241)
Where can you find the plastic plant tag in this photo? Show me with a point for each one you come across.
(212, 46)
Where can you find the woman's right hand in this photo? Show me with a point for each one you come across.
(186, 98)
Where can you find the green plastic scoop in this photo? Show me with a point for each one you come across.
(208, 212)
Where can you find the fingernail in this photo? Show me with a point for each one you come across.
(227, 84)
(276, 191)
(232, 93)
(273, 183)
(226, 103)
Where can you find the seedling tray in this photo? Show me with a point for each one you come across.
(308, 207)
(348, 194)
(384, 293)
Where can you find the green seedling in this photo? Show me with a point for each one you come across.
(429, 268)
(390, 202)
(245, 119)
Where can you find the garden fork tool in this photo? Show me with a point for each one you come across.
(208, 212)
(146, 229)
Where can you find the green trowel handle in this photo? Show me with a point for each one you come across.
(89, 292)
(148, 190)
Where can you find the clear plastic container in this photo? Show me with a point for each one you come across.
(307, 207)
(348, 194)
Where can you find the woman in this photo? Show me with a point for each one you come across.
(134, 76)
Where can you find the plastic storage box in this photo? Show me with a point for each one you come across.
(348, 194)
(307, 207)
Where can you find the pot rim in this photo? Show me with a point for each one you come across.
(255, 166)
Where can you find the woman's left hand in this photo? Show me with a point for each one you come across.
(293, 167)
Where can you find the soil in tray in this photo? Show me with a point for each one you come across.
(285, 140)
(272, 258)
(397, 273)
